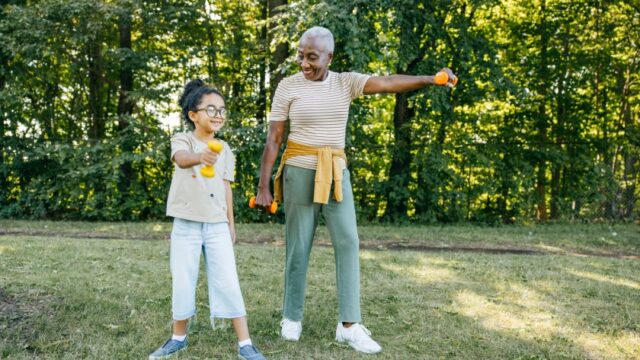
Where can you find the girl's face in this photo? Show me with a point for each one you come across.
(210, 114)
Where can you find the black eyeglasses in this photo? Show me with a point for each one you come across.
(213, 111)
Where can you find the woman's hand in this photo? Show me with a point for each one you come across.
(453, 79)
(264, 198)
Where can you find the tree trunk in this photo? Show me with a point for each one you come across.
(631, 161)
(49, 103)
(4, 188)
(262, 68)
(556, 184)
(212, 64)
(4, 65)
(125, 103)
(282, 49)
(557, 178)
(399, 172)
(125, 108)
(541, 177)
(94, 53)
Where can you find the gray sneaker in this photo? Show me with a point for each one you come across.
(170, 348)
(249, 352)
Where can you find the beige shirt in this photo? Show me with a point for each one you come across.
(318, 110)
(192, 196)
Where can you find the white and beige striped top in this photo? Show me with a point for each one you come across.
(318, 110)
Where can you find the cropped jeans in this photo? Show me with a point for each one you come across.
(188, 240)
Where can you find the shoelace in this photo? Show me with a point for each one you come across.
(290, 324)
(250, 349)
(363, 328)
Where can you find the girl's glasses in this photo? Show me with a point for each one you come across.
(213, 111)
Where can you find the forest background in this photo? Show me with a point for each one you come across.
(543, 125)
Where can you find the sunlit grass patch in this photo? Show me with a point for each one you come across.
(425, 270)
(612, 280)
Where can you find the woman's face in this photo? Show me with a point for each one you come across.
(210, 104)
(314, 59)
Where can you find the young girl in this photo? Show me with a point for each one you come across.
(202, 209)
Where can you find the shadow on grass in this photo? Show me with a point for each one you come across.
(506, 306)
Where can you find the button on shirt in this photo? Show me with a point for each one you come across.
(193, 196)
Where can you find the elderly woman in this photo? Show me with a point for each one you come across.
(313, 176)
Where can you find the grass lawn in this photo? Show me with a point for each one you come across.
(72, 297)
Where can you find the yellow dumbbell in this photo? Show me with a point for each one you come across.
(208, 170)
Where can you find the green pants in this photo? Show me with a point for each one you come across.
(301, 220)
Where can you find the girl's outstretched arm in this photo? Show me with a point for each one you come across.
(185, 159)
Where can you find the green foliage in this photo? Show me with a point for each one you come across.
(545, 115)
(80, 180)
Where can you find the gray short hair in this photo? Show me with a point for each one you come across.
(321, 33)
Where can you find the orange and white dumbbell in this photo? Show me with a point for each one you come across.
(442, 78)
(272, 209)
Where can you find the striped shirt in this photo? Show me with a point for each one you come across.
(318, 110)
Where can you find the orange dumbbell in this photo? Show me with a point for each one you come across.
(272, 209)
(208, 170)
(442, 78)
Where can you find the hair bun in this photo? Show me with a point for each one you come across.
(189, 88)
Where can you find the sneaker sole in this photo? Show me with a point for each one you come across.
(289, 339)
(168, 356)
(342, 341)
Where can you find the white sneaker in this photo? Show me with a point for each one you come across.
(358, 337)
(290, 329)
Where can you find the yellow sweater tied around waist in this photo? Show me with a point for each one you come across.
(328, 170)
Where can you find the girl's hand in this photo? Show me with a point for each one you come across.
(232, 231)
(208, 157)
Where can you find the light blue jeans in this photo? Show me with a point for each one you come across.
(188, 240)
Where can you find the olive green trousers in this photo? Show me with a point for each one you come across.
(301, 220)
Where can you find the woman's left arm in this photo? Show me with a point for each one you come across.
(400, 83)
(229, 197)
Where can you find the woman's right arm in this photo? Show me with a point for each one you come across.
(275, 137)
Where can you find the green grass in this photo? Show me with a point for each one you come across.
(71, 297)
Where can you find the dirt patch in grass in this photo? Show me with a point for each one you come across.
(413, 245)
(19, 315)
(7, 305)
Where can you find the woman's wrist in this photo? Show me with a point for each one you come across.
(429, 79)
